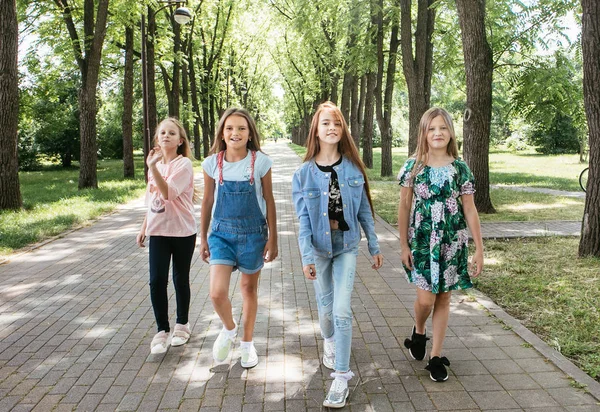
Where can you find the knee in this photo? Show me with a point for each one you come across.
(425, 305)
(325, 300)
(249, 291)
(218, 297)
(443, 299)
(343, 322)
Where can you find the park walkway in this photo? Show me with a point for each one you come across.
(77, 322)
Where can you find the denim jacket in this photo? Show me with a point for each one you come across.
(310, 191)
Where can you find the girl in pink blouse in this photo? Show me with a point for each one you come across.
(171, 227)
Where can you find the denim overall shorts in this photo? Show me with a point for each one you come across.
(239, 229)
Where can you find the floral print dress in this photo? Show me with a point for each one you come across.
(438, 234)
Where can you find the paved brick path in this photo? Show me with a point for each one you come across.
(76, 324)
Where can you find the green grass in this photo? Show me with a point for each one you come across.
(52, 203)
(554, 293)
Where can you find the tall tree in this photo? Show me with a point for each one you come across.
(590, 39)
(127, 120)
(88, 53)
(10, 193)
(417, 62)
(479, 68)
(384, 93)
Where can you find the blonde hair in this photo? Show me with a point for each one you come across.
(346, 144)
(184, 149)
(254, 141)
(422, 152)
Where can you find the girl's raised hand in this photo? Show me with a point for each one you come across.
(310, 272)
(154, 156)
(407, 257)
(377, 261)
(270, 252)
(476, 265)
(204, 252)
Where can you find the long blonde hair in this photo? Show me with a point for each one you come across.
(184, 149)
(422, 153)
(254, 141)
(346, 144)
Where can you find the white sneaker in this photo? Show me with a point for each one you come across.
(338, 393)
(249, 356)
(222, 345)
(159, 343)
(329, 354)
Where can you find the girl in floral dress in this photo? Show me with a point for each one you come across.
(436, 207)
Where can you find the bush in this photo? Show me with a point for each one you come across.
(561, 136)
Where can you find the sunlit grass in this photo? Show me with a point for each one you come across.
(52, 203)
(543, 283)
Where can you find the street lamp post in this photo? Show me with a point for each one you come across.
(182, 16)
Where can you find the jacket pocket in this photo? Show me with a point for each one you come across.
(312, 197)
(356, 184)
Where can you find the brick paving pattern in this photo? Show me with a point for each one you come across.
(77, 324)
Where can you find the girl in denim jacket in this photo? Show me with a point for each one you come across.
(332, 198)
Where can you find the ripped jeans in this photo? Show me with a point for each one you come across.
(333, 289)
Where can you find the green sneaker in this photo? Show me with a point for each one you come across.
(222, 345)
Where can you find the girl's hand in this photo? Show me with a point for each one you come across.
(377, 261)
(154, 156)
(310, 272)
(140, 238)
(407, 259)
(204, 252)
(270, 252)
(476, 265)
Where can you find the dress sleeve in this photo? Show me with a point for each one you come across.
(404, 174)
(466, 180)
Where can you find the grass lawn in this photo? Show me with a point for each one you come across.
(52, 203)
(543, 283)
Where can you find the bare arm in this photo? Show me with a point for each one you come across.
(271, 250)
(406, 197)
(472, 218)
(207, 205)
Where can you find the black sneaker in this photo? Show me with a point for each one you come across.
(436, 368)
(417, 345)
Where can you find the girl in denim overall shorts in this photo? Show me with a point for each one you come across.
(243, 232)
(332, 200)
(171, 226)
(436, 206)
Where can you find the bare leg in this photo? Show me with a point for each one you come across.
(441, 311)
(423, 306)
(220, 275)
(249, 287)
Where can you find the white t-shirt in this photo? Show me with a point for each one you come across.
(240, 171)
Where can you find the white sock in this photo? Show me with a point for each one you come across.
(231, 332)
(246, 345)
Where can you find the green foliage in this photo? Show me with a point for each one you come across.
(549, 95)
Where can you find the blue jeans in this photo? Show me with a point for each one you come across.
(333, 289)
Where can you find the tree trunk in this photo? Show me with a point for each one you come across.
(10, 192)
(195, 105)
(127, 120)
(150, 61)
(354, 112)
(383, 98)
(589, 245)
(367, 138)
(478, 113)
(347, 95)
(417, 68)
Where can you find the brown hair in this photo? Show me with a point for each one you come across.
(422, 151)
(254, 141)
(346, 144)
(183, 149)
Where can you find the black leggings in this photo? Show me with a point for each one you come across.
(161, 250)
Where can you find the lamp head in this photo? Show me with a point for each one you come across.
(183, 15)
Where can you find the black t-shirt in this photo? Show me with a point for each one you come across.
(336, 205)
